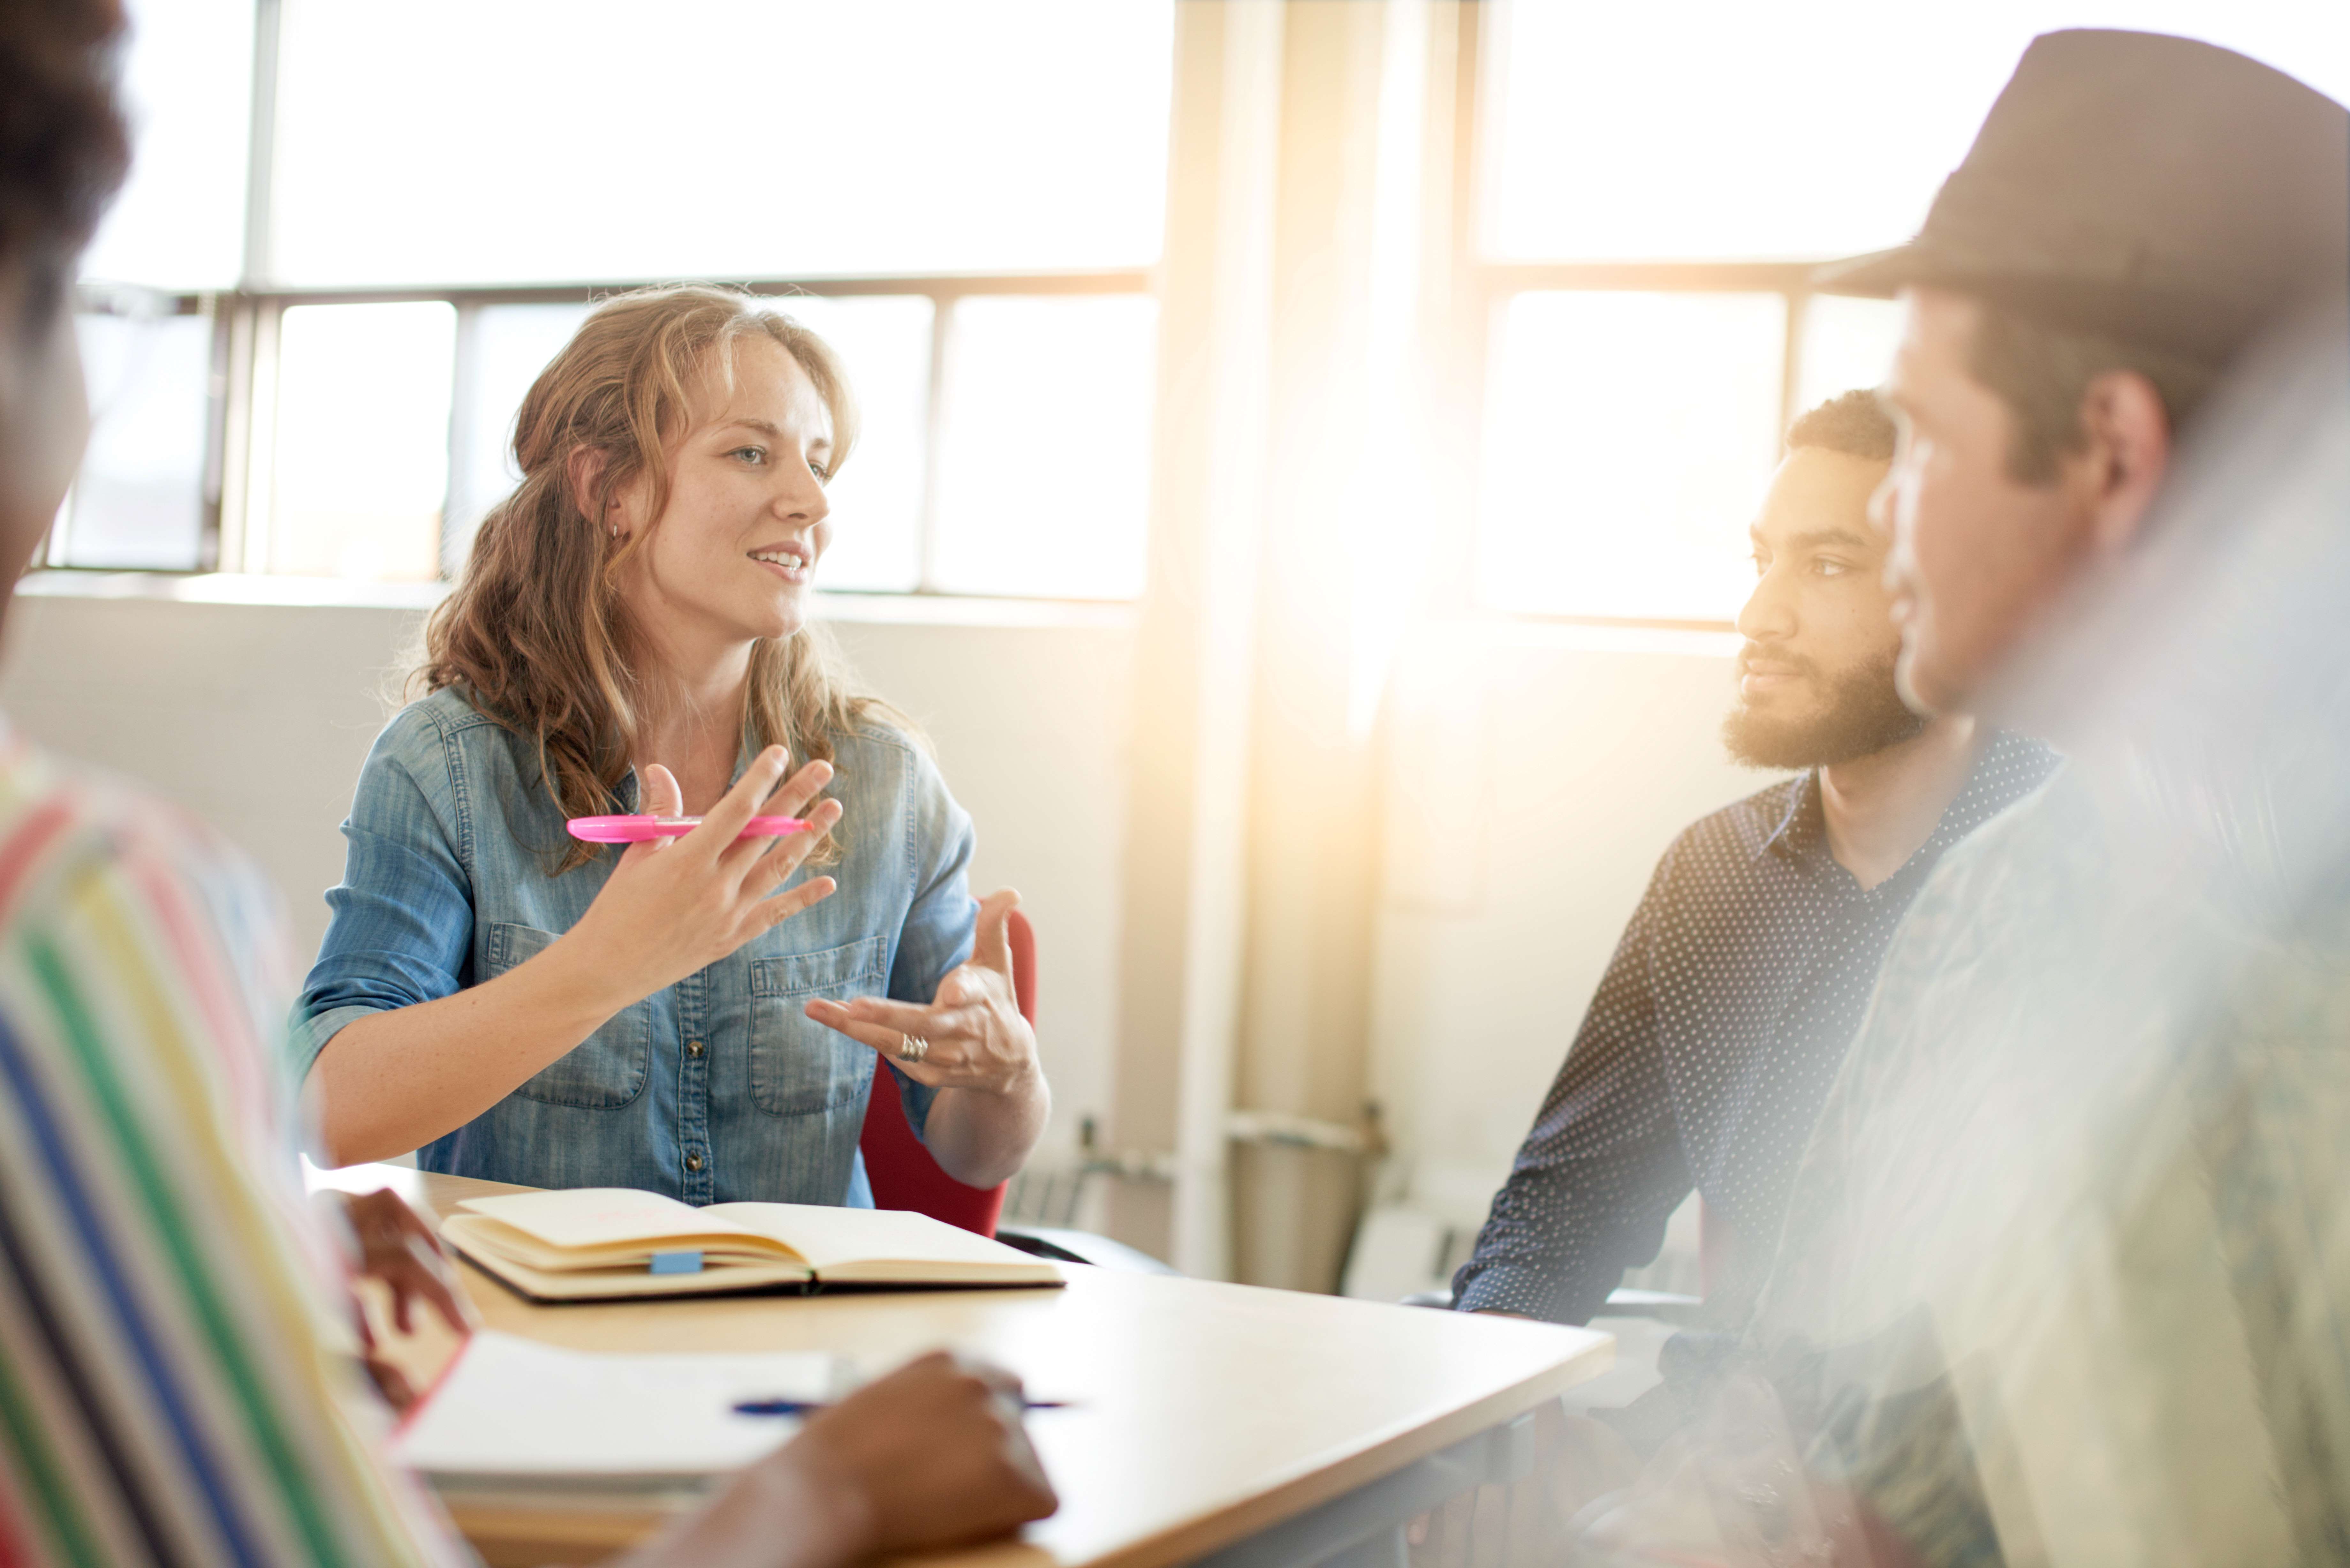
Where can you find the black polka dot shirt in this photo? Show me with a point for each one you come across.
(1711, 1044)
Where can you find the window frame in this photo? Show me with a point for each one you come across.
(140, 304)
(241, 412)
(1483, 285)
(242, 415)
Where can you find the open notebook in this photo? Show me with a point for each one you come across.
(597, 1243)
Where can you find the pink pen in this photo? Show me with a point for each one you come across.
(638, 829)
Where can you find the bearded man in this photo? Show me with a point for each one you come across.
(2065, 1274)
(1718, 1025)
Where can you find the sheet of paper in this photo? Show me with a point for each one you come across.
(512, 1406)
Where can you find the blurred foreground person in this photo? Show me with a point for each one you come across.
(171, 1385)
(2066, 1271)
(1715, 1033)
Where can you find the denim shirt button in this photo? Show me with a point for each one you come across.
(693, 1047)
(693, 1160)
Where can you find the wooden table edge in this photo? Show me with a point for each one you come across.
(1380, 1456)
(511, 1536)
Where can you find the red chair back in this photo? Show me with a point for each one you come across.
(901, 1171)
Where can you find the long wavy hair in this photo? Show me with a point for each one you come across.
(537, 634)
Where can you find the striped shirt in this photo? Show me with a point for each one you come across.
(175, 1381)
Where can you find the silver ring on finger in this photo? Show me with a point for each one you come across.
(912, 1047)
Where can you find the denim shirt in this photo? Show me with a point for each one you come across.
(715, 1090)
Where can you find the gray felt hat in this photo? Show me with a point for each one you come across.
(2147, 186)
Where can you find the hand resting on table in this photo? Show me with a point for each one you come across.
(933, 1455)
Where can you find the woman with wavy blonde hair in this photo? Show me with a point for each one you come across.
(697, 1015)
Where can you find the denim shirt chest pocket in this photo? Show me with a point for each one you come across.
(607, 1069)
(798, 1067)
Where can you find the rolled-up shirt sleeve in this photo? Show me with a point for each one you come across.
(941, 918)
(401, 922)
(1603, 1170)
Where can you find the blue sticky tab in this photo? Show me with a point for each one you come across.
(676, 1263)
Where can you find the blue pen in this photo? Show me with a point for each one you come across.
(810, 1406)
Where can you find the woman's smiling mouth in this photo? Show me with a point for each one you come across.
(790, 565)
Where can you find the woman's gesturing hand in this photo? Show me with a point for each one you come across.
(672, 906)
(972, 1033)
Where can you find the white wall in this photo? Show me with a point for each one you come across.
(257, 716)
(1536, 774)
(1031, 725)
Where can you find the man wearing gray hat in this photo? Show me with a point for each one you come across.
(2066, 1274)
(2136, 211)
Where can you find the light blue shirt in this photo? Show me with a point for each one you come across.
(715, 1090)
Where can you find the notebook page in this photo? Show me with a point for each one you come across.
(512, 1406)
(602, 1216)
(826, 1237)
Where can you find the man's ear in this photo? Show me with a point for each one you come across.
(2127, 456)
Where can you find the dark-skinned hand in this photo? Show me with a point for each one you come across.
(933, 1455)
(397, 1248)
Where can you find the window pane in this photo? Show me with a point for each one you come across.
(1627, 440)
(1758, 131)
(1847, 344)
(1044, 474)
(500, 354)
(494, 141)
(187, 82)
(362, 449)
(877, 502)
(139, 501)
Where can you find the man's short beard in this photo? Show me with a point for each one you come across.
(1864, 714)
